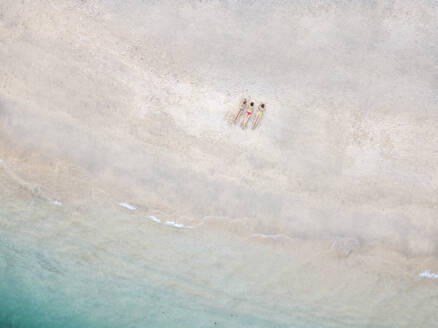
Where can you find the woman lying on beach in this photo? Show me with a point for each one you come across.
(249, 112)
(260, 110)
(242, 108)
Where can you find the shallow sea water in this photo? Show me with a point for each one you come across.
(66, 286)
(127, 199)
(67, 269)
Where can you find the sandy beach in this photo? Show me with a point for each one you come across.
(128, 199)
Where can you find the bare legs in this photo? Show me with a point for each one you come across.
(246, 120)
(242, 108)
(247, 111)
(248, 114)
(257, 119)
(259, 114)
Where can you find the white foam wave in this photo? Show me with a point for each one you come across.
(57, 203)
(272, 236)
(154, 218)
(169, 223)
(128, 206)
(428, 274)
(177, 225)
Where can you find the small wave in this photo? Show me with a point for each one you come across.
(154, 218)
(428, 274)
(168, 223)
(273, 236)
(177, 225)
(128, 206)
(57, 203)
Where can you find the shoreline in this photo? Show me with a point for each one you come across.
(127, 198)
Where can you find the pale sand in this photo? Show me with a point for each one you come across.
(104, 104)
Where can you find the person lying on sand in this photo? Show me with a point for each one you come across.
(249, 112)
(243, 106)
(260, 110)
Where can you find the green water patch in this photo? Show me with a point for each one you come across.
(41, 290)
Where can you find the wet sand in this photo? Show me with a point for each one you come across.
(113, 137)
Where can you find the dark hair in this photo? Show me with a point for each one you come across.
(252, 103)
(263, 105)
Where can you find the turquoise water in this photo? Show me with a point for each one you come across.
(126, 199)
(46, 283)
(53, 277)
(92, 263)
(40, 290)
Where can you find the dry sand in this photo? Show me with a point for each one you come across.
(108, 102)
